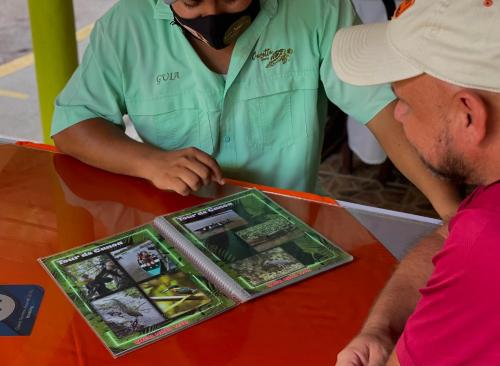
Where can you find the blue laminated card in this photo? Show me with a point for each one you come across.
(19, 306)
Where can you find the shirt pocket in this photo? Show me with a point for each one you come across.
(172, 123)
(276, 109)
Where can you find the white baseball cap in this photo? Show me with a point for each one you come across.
(457, 41)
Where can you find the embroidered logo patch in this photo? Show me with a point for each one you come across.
(404, 6)
(273, 58)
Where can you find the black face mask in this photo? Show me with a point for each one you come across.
(219, 30)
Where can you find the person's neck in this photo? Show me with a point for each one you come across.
(216, 60)
(488, 159)
(492, 176)
(486, 163)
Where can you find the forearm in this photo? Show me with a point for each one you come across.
(401, 294)
(444, 196)
(106, 146)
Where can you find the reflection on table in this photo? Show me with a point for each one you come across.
(51, 202)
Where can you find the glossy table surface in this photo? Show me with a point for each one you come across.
(50, 202)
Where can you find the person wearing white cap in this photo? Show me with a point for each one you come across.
(443, 59)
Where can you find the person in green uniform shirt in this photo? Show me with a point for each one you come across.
(221, 88)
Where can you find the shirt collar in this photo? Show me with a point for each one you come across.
(163, 11)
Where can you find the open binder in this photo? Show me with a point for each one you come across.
(157, 279)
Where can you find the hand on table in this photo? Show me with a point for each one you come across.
(366, 349)
(183, 171)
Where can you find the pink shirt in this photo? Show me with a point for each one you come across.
(457, 320)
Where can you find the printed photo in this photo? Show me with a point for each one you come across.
(175, 294)
(269, 234)
(215, 224)
(97, 276)
(229, 248)
(127, 312)
(143, 261)
(267, 266)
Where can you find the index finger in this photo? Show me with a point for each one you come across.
(210, 162)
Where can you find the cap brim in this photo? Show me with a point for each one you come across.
(363, 55)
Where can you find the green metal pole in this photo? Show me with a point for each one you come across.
(54, 47)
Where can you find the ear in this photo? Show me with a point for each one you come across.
(470, 113)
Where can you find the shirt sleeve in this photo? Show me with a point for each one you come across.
(456, 321)
(361, 102)
(96, 88)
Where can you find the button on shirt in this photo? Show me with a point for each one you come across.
(263, 123)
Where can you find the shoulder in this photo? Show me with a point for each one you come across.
(480, 207)
(126, 14)
(485, 198)
(316, 6)
(474, 231)
(125, 9)
(128, 24)
(320, 17)
(317, 11)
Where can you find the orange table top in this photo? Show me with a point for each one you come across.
(50, 202)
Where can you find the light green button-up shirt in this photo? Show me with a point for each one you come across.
(264, 123)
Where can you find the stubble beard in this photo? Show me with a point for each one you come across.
(452, 166)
